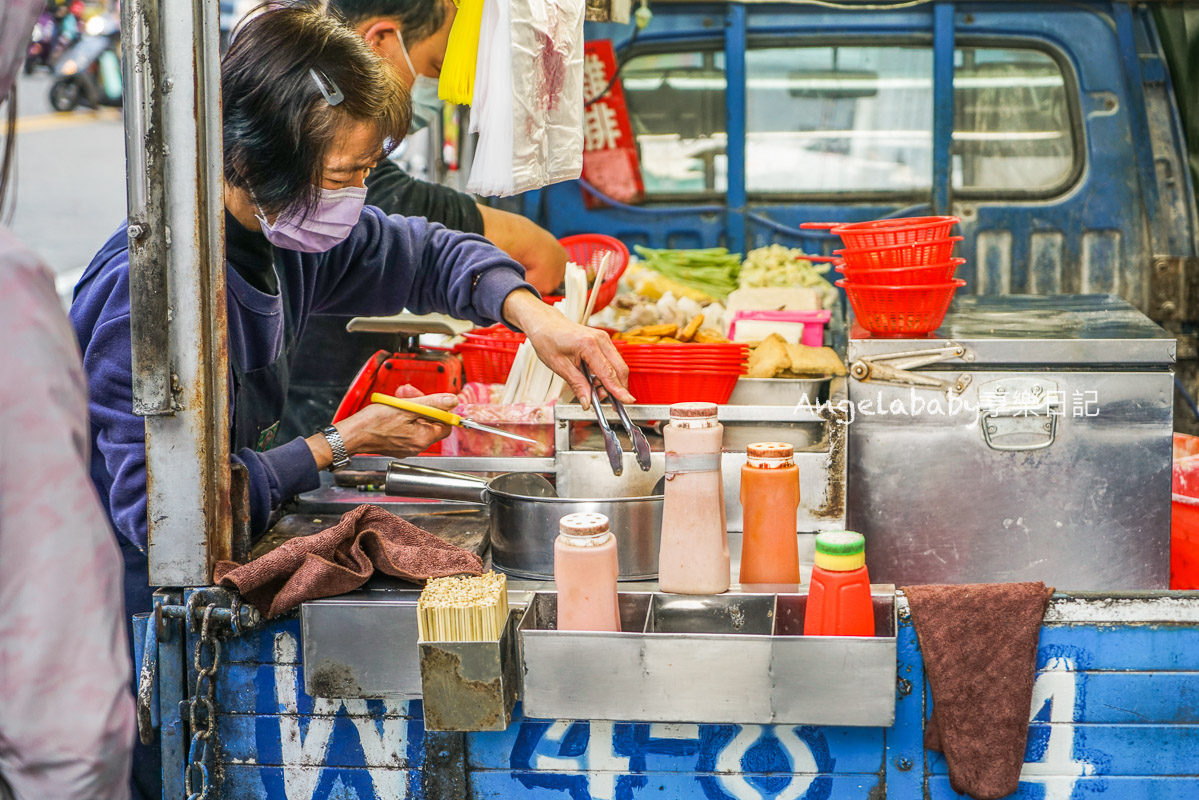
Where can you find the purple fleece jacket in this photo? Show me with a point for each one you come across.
(386, 265)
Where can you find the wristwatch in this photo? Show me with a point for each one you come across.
(340, 457)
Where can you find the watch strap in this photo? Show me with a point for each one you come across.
(341, 458)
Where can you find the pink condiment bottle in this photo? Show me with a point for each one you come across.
(694, 554)
(585, 572)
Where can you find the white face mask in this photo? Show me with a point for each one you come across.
(426, 105)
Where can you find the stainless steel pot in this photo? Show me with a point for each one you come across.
(525, 511)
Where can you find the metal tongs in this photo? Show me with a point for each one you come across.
(611, 443)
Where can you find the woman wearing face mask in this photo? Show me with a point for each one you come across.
(411, 35)
(307, 110)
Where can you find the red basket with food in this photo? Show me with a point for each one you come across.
(488, 353)
(909, 254)
(900, 310)
(587, 250)
(903, 276)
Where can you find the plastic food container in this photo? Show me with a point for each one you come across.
(535, 422)
(812, 323)
(1184, 520)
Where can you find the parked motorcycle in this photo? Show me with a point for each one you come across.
(55, 31)
(90, 71)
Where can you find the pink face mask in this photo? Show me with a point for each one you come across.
(322, 228)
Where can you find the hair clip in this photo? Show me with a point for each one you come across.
(331, 97)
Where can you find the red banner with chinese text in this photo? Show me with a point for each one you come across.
(609, 151)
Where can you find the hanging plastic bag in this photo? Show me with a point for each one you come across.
(547, 91)
(491, 115)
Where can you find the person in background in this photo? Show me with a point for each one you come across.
(411, 35)
(66, 712)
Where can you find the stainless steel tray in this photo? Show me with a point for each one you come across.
(779, 391)
(731, 658)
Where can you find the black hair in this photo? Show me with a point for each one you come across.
(278, 126)
(419, 19)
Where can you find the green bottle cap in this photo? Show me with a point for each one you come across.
(840, 543)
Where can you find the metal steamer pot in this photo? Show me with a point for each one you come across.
(524, 514)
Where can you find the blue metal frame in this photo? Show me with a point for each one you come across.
(943, 100)
(735, 125)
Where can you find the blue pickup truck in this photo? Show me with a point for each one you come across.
(1057, 133)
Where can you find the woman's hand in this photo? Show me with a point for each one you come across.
(387, 431)
(562, 345)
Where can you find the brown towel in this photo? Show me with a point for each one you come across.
(979, 644)
(341, 558)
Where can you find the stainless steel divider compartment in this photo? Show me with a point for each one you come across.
(470, 686)
(731, 658)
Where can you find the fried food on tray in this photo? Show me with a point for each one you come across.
(769, 358)
(688, 333)
(709, 336)
(813, 360)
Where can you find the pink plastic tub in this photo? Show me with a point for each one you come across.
(813, 323)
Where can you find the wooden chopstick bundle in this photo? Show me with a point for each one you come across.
(463, 608)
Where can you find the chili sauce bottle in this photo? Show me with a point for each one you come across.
(769, 502)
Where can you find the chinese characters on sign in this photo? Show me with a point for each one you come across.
(609, 151)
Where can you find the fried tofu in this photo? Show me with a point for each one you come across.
(808, 361)
(769, 358)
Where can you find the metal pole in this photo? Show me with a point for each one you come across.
(177, 282)
(943, 111)
(735, 125)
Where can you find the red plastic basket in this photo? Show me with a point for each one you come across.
(910, 254)
(902, 230)
(900, 310)
(586, 250)
(902, 276)
(488, 353)
(665, 386)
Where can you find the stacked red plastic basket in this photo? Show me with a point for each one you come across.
(488, 353)
(661, 374)
(899, 273)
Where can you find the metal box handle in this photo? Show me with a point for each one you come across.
(1026, 409)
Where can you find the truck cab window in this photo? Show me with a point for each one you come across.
(853, 120)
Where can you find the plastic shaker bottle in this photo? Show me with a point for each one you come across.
(585, 572)
(694, 554)
(839, 598)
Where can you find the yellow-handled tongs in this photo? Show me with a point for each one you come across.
(448, 417)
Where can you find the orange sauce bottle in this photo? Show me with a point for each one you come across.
(839, 598)
(769, 500)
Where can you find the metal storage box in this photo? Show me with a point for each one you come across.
(729, 658)
(1026, 439)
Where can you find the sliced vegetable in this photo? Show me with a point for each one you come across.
(712, 271)
(776, 266)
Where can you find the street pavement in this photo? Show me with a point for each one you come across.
(70, 179)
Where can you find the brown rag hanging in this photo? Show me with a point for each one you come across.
(341, 558)
(979, 645)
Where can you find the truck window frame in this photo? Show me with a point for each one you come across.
(797, 39)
